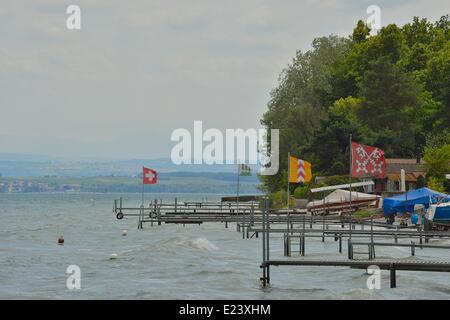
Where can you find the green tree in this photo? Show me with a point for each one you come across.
(300, 102)
(361, 32)
(437, 161)
(387, 94)
(390, 90)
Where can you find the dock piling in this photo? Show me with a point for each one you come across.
(393, 276)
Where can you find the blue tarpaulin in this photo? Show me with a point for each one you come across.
(405, 202)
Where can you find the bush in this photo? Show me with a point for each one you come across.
(301, 192)
(436, 184)
(279, 200)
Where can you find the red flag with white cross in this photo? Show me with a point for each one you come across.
(368, 161)
(149, 176)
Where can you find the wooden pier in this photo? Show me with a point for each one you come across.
(254, 219)
(392, 265)
(385, 264)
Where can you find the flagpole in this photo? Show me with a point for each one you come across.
(350, 186)
(143, 177)
(237, 191)
(288, 178)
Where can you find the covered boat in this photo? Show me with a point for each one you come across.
(405, 202)
(339, 200)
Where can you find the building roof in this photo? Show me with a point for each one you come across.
(394, 165)
(403, 161)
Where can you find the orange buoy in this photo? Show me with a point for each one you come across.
(61, 240)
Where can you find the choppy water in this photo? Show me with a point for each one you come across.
(169, 262)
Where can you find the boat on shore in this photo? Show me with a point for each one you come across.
(439, 215)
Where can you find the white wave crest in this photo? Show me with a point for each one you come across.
(198, 243)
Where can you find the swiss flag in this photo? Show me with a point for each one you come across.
(367, 161)
(149, 176)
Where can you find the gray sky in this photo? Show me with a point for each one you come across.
(139, 69)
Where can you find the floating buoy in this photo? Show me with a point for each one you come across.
(61, 240)
(124, 232)
(113, 256)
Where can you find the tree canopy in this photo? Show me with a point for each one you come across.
(391, 90)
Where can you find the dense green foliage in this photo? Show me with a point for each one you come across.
(390, 90)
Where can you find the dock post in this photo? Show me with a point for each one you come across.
(371, 237)
(323, 228)
(350, 249)
(393, 276)
(226, 224)
(141, 215)
(413, 248)
(340, 242)
(268, 241)
(159, 214)
(395, 238)
(303, 244)
(289, 245)
(300, 245)
(252, 215)
(176, 204)
(285, 246)
(264, 277)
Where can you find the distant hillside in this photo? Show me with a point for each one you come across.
(12, 165)
(177, 182)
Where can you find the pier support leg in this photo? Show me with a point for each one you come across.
(264, 277)
(340, 243)
(393, 277)
(413, 248)
(300, 245)
(303, 244)
(350, 249)
(323, 229)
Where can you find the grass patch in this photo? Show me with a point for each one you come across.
(366, 213)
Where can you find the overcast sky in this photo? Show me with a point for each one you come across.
(139, 69)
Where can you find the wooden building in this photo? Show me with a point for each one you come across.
(414, 169)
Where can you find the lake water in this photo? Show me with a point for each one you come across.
(170, 261)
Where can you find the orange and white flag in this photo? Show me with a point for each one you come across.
(299, 170)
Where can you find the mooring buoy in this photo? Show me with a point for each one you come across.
(61, 240)
(124, 232)
(113, 256)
